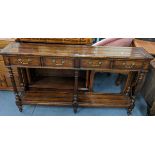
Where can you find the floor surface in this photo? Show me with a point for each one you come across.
(102, 83)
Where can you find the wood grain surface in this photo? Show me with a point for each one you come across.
(75, 51)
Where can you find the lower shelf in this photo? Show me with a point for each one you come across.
(103, 100)
(61, 98)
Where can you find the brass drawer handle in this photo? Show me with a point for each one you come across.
(100, 63)
(54, 61)
(24, 63)
(129, 66)
(95, 65)
(90, 63)
(58, 64)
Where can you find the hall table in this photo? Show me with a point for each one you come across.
(132, 61)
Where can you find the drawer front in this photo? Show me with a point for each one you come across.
(25, 61)
(128, 64)
(95, 63)
(58, 62)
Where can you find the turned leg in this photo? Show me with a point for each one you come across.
(92, 76)
(29, 78)
(127, 88)
(118, 80)
(25, 78)
(21, 80)
(75, 95)
(132, 105)
(18, 99)
(135, 89)
(87, 78)
(140, 81)
(128, 91)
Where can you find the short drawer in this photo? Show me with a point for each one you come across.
(95, 63)
(58, 62)
(25, 61)
(127, 64)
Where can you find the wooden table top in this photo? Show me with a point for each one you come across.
(16, 48)
(147, 45)
(5, 41)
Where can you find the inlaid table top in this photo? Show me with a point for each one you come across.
(16, 48)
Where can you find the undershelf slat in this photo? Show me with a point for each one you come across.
(60, 98)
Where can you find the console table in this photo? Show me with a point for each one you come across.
(71, 91)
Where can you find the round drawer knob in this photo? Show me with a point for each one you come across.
(100, 63)
(62, 61)
(132, 65)
(53, 60)
(19, 60)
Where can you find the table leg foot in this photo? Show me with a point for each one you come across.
(75, 107)
(19, 104)
(75, 110)
(20, 108)
(129, 112)
(131, 107)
